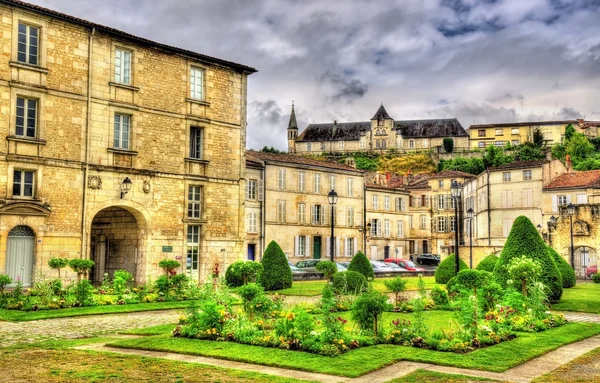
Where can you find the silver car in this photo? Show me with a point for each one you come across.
(310, 265)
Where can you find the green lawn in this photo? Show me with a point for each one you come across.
(311, 288)
(584, 297)
(358, 362)
(23, 316)
(420, 376)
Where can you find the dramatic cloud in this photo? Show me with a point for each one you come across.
(477, 60)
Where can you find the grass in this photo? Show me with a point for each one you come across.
(358, 362)
(161, 329)
(583, 297)
(24, 316)
(312, 288)
(582, 369)
(437, 377)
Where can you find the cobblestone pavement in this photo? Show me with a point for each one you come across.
(580, 317)
(81, 327)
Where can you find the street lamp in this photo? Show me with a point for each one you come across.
(551, 225)
(333, 197)
(456, 189)
(125, 187)
(470, 218)
(571, 213)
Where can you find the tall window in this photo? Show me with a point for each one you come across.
(196, 142)
(386, 203)
(252, 226)
(317, 183)
(193, 247)
(452, 203)
(302, 181)
(301, 245)
(309, 147)
(341, 145)
(562, 200)
(281, 211)
(400, 229)
(331, 182)
(481, 133)
(453, 224)
(122, 129)
(349, 187)
(375, 228)
(410, 221)
(350, 216)
(411, 143)
(386, 228)
(322, 146)
(318, 215)
(441, 184)
(251, 189)
(506, 176)
(441, 224)
(26, 124)
(197, 83)
(349, 245)
(377, 144)
(301, 213)
(281, 179)
(194, 201)
(441, 201)
(123, 66)
(375, 202)
(526, 175)
(383, 144)
(28, 44)
(362, 144)
(23, 183)
(423, 221)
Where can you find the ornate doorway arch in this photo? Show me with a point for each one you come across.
(20, 254)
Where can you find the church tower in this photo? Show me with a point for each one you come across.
(292, 131)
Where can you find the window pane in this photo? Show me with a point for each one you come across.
(20, 116)
(17, 182)
(117, 136)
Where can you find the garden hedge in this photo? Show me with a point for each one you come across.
(524, 240)
(361, 264)
(277, 274)
(349, 282)
(445, 270)
(488, 263)
(566, 271)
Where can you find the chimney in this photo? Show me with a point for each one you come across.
(568, 163)
(580, 121)
(349, 161)
(388, 176)
(548, 154)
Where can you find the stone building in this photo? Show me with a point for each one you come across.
(419, 221)
(117, 149)
(386, 201)
(517, 133)
(295, 208)
(380, 134)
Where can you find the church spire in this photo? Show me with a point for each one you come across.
(292, 131)
(293, 124)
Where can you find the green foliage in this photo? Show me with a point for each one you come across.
(524, 240)
(596, 278)
(579, 147)
(472, 279)
(83, 292)
(81, 266)
(490, 295)
(249, 293)
(349, 282)
(271, 149)
(596, 142)
(530, 152)
(277, 274)
(439, 296)
(240, 273)
(168, 265)
(559, 152)
(569, 131)
(58, 263)
(448, 144)
(361, 264)
(5, 280)
(488, 263)
(567, 273)
(587, 164)
(445, 270)
(537, 138)
(367, 163)
(396, 285)
(328, 269)
(466, 165)
(494, 156)
(121, 281)
(368, 309)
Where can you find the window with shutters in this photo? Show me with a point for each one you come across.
(386, 228)
(194, 201)
(527, 197)
(506, 176)
(331, 182)
(424, 201)
(400, 229)
(197, 83)
(349, 246)
(301, 213)
(193, 247)
(506, 199)
(441, 199)
(317, 183)
(123, 66)
(341, 145)
(499, 132)
(28, 44)
(252, 226)
(196, 142)
(302, 246)
(526, 175)
(281, 179)
(411, 144)
(302, 181)
(251, 189)
(506, 226)
(375, 202)
(397, 204)
(422, 221)
(453, 224)
(386, 203)
(23, 183)
(362, 143)
(562, 200)
(375, 228)
(441, 184)
(349, 187)
(452, 202)
(441, 224)
(350, 216)
(318, 215)
(582, 198)
(410, 222)
(122, 131)
(281, 213)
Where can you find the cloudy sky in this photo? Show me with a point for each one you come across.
(479, 61)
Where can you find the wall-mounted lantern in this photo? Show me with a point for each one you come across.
(125, 186)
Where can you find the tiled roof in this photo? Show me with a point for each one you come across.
(450, 174)
(587, 179)
(520, 165)
(113, 31)
(395, 181)
(419, 181)
(300, 160)
(341, 131)
(449, 127)
(381, 114)
(530, 123)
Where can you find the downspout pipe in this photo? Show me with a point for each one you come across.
(86, 166)
(489, 213)
(364, 216)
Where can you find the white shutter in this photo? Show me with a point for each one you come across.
(328, 243)
(355, 247)
(296, 250)
(284, 178)
(554, 203)
(509, 197)
(308, 248)
(581, 198)
(379, 228)
(337, 246)
(247, 189)
(312, 214)
(325, 215)
(568, 199)
(261, 186)
(346, 248)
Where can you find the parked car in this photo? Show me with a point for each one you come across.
(408, 265)
(345, 264)
(591, 270)
(395, 267)
(382, 267)
(310, 265)
(428, 259)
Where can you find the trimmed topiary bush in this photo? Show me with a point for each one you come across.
(566, 271)
(361, 264)
(349, 282)
(240, 273)
(488, 263)
(524, 240)
(81, 266)
(276, 274)
(445, 270)
(596, 278)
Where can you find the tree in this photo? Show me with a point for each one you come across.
(58, 263)
(415, 163)
(472, 279)
(530, 152)
(328, 269)
(566, 271)
(537, 138)
(277, 274)
(493, 156)
(368, 310)
(579, 147)
(396, 285)
(240, 273)
(81, 266)
(488, 263)
(169, 266)
(266, 149)
(524, 270)
(448, 144)
(461, 164)
(524, 240)
(569, 131)
(361, 264)
(446, 269)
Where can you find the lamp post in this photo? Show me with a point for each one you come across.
(333, 197)
(551, 225)
(125, 187)
(571, 213)
(456, 189)
(470, 218)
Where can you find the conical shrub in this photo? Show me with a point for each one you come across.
(445, 270)
(525, 241)
(566, 271)
(488, 263)
(361, 264)
(277, 274)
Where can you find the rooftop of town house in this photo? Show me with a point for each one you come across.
(520, 165)
(575, 180)
(298, 160)
(580, 122)
(451, 174)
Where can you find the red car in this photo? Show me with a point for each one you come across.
(591, 270)
(408, 265)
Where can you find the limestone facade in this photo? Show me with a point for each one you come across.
(84, 108)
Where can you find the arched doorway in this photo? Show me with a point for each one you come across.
(585, 256)
(19, 254)
(115, 242)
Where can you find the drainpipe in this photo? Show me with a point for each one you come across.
(86, 167)
(262, 213)
(364, 216)
(489, 213)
